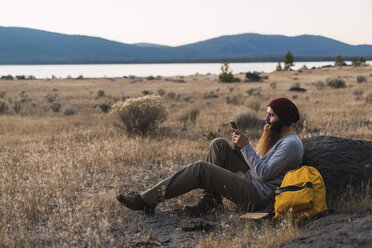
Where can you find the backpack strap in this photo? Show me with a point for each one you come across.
(292, 188)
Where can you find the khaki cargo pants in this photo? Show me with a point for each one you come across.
(224, 172)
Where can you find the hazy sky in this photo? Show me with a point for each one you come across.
(178, 22)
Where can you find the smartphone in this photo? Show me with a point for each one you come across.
(233, 125)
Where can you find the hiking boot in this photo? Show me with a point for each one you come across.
(206, 204)
(134, 201)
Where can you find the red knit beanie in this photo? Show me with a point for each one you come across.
(286, 110)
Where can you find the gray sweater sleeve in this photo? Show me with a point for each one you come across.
(285, 154)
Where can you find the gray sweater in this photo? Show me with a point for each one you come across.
(268, 172)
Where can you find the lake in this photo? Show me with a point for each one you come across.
(141, 70)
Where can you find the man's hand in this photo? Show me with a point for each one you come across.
(239, 139)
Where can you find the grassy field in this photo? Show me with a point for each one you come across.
(60, 174)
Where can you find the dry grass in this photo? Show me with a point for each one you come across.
(59, 175)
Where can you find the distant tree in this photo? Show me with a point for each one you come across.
(355, 61)
(226, 75)
(288, 60)
(339, 61)
(279, 67)
(362, 60)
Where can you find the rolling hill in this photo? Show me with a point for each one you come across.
(32, 46)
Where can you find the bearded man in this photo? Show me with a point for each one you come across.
(244, 176)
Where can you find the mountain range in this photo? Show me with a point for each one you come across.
(31, 46)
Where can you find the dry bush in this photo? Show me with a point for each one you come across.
(254, 91)
(100, 93)
(55, 106)
(51, 97)
(319, 85)
(161, 92)
(336, 83)
(235, 100)
(140, 115)
(369, 98)
(71, 109)
(2, 93)
(105, 106)
(246, 120)
(361, 79)
(189, 114)
(358, 93)
(17, 106)
(171, 95)
(253, 103)
(3, 106)
(273, 85)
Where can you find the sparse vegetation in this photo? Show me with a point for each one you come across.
(189, 114)
(60, 174)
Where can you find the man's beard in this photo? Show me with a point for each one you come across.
(269, 137)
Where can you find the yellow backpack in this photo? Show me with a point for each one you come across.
(302, 194)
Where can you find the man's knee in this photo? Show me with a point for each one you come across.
(200, 167)
(220, 143)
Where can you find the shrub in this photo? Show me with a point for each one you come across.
(273, 85)
(7, 77)
(2, 94)
(51, 97)
(361, 79)
(100, 93)
(161, 92)
(254, 91)
(234, 100)
(246, 120)
(319, 85)
(336, 83)
(147, 92)
(226, 75)
(171, 95)
(358, 93)
(254, 103)
(55, 107)
(140, 115)
(17, 105)
(369, 98)
(105, 106)
(71, 109)
(189, 114)
(252, 77)
(21, 77)
(3, 106)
